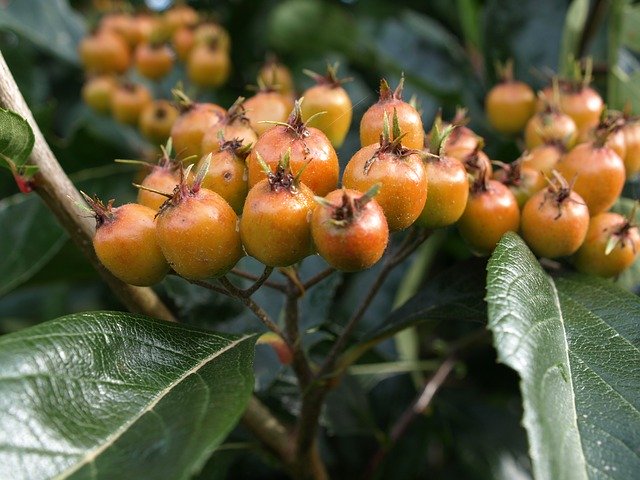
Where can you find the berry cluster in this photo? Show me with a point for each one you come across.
(268, 188)
(150, 45)
(588, 151)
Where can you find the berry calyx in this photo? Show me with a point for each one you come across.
(372, 122)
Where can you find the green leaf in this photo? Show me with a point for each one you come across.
(52, 25)
(114, 395)
(572, 340)
(573, 27)
(630, 36)
(16, 140)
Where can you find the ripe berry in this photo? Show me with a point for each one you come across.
(197, 231)
(610, 125)
(543, 158)
(179, 16)
(278, 75)
(555, 220)
(208, 65)
(212, 34)
(372, 121)
(598, 171)
(311, 153)
(194, 121)
(121, 24)
(154, 60)
(275, 219)
(330, 97)
(157, 119)
(104, 52)
(98, 91)
(183, 41)
(349, 229)
(234, 124)
(462, 142)
(578, 100)
(523, 181)
(491, 211)
(267, 105)
(227, 174)
(125, 242)
(550, 125)
(509, 104)
(448, 182)
(610, 247)
(400, 173)
(163, 178)
(476, 162)
(128, 101)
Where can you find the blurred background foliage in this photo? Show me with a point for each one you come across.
(447, 51)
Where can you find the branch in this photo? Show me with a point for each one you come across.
(275, 437)
(292, 319)
(313, 397)
(318, 278)
(414, 240)
(267, 283)
(419, 405)
(59, 195)
(257, 310)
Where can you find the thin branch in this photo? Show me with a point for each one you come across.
(259, 282)
(271, 433)
(413, 240)
(257, 310)
(250, 276)
(60, 196)
(313, 397)
(292, 319)
(210, 286)
(318, 278)
(417, 407)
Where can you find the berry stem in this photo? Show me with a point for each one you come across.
(249, 276)
(318, 278)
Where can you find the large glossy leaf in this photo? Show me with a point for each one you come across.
(52, 25)
(16, 139)
(574, 342)
(106, 395)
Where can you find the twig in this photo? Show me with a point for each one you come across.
(234, 292)
(413, 241)
(273, 435)
(259, 282)
(314, 396)
(249, 276)
(292, 318)
(59, 195)
(417, 407)
(318, 278)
